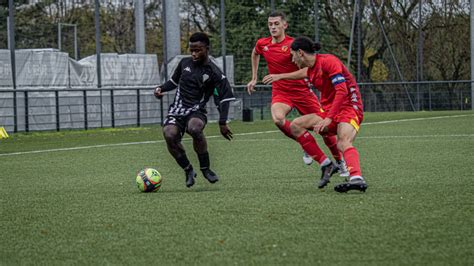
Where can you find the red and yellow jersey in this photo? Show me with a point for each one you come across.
(337, 85)
(278, 59)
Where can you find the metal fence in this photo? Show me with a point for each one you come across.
(416, 96)
(57, 109)
(383, 97)
(374, 38)
(60, 109)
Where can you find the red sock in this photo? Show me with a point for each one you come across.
(309, 145)
(331, 142)
(352, 161)
(286, 129)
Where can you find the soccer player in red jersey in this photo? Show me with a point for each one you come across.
(340, 97)
(289, 94)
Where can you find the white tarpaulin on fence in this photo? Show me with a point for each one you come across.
(46, 69)
(35, 67)
(5, 69)
(116, 70)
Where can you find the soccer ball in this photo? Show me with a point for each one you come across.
(149, 180)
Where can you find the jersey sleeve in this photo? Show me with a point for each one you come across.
(258, 47)
(172, 83)
(334, 69)
(223, 95)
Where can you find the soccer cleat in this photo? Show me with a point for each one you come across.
(190, 176)
(307, 159)
(326, 172)
(210, 176)
(342, 168)
(355, 183)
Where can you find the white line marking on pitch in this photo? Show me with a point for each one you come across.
(251, 133)
(414, 119)
(370, 137)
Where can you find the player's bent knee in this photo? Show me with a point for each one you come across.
(279, 121)
(296, 129)
(170, 134)
(343, 144)
(195, 132)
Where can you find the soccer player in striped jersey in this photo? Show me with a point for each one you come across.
(340, 97)
(196, 79)
(289, 94)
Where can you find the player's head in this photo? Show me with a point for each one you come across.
(277, 24)
(199, 46)
(303, 50)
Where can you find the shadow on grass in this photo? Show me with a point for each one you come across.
(183, 189)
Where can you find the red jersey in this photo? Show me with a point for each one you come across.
(278, 59)
(337, 85)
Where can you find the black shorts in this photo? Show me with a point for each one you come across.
(182, 121)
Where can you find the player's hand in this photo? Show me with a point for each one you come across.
(225, 131)
(158, 93)
(251, 86)
(322, 126)
(270, 78)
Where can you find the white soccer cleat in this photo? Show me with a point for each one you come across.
(342, 168)
(307, 159)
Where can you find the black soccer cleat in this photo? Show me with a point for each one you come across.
(190, 176)
(353, 184)
(210, 176)
(326, 172)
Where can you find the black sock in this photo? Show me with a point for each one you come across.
(184, 162)
(204, 160)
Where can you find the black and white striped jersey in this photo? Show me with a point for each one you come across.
(195, 83)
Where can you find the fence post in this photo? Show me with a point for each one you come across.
(418, 96)
(98, 48)
(138, 107)
(11, 46)
(223, 41)
(261, 105)
(15, 113)
(56, 97)
(86, 123)
(112, 109)
(27, 121)
(472, 51)
(375, 102)
(429, 95)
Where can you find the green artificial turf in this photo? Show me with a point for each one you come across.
(81, 206)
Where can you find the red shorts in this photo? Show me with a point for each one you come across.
(304, 104)
(347, 114)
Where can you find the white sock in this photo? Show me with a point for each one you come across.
(326, 162)
(356, 177)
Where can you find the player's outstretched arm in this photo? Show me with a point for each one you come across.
(223, 95)
(225, 131)
(223, 127)
(171, 84)
(299, 74)
(255, 59)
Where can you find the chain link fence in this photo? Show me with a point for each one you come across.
(407, 56)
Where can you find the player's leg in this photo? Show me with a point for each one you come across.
(331, 142)
(299, 128)
(281, 106)
(346, 134)
(279, 111)
(309, 104)
(195, 128)
(173, 132)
